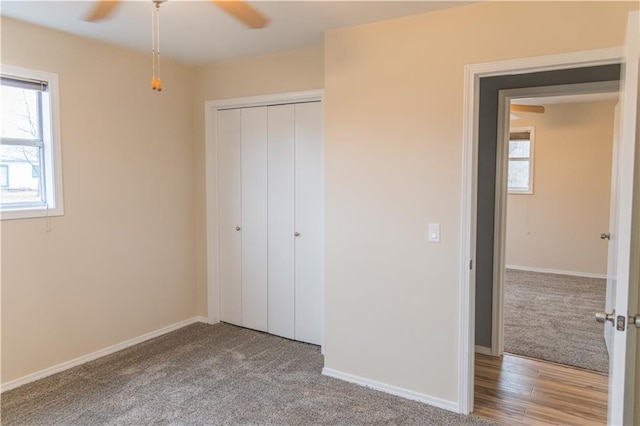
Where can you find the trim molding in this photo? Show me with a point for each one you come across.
(556, 271)
(273, 99)
(393, 390)
(12, 384)
(471, 96)
(483, 350)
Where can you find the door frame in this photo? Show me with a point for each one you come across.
(211, 109)
(500, 217)
(472, 75)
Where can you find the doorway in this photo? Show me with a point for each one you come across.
(483, 82)
(551, 254)
(540, 308)
(491, 202)
(622, 285)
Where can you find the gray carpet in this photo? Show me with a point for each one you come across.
(552, 317)
(211, 374)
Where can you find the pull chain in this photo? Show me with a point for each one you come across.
(159, 81)
(156, 82)
(153, 47)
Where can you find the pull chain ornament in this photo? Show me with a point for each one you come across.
(156, 82)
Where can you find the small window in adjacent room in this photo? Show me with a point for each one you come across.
(4, 176)
(520, 179)
(30, 159)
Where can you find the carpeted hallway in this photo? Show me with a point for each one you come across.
(552, 317)
(211, 374)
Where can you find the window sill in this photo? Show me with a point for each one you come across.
(12, 214)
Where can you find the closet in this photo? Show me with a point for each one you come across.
(270, 202)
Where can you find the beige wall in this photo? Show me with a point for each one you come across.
(394, 95)
(120, 262)
(558, 227)
(295, 70)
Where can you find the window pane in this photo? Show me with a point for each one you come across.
(21, 167)
(20, 116)
(4, 175)
(520, 149)
(519, 175)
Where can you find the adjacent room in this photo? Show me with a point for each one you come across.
(254, 212)
(551, 259)
(559, 191)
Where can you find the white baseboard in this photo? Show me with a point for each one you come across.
(12, 384)
(556, 271)
(483, 350)
(393, 390)
(200, 319)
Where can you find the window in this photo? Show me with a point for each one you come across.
(520, 179)
(30, 163)
(4, 176)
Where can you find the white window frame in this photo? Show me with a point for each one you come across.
(52, 150)
(531, 131)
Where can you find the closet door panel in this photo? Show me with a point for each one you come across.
(229, 190)
(254, 218)
(281, 220)
(309, 223)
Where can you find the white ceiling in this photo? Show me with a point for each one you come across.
(197, 32)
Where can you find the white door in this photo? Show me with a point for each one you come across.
(230, 220)
(281, 220)
(309, 222)
(254, 218)
(613, 206)
(622, 342)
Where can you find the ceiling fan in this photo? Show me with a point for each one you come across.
(527, 108)
(239, 9)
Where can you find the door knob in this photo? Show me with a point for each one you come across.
(634, 320)
(605, 236)
(237, 228)
(296, 234)
(602, 317)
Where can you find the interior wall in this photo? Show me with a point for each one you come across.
(394, 96)
(120, 262)
(558, 227)
(290, 71)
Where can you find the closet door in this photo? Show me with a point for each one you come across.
(309, 223)
(229, 190)
(254, 218)
(281, 220)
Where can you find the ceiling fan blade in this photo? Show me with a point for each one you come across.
(101, 10)
(243, 12)
(527, 108)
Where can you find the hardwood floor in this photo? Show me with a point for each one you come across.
(514, 390)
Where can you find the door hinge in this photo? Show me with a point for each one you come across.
(471, 265)
(620, 322)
